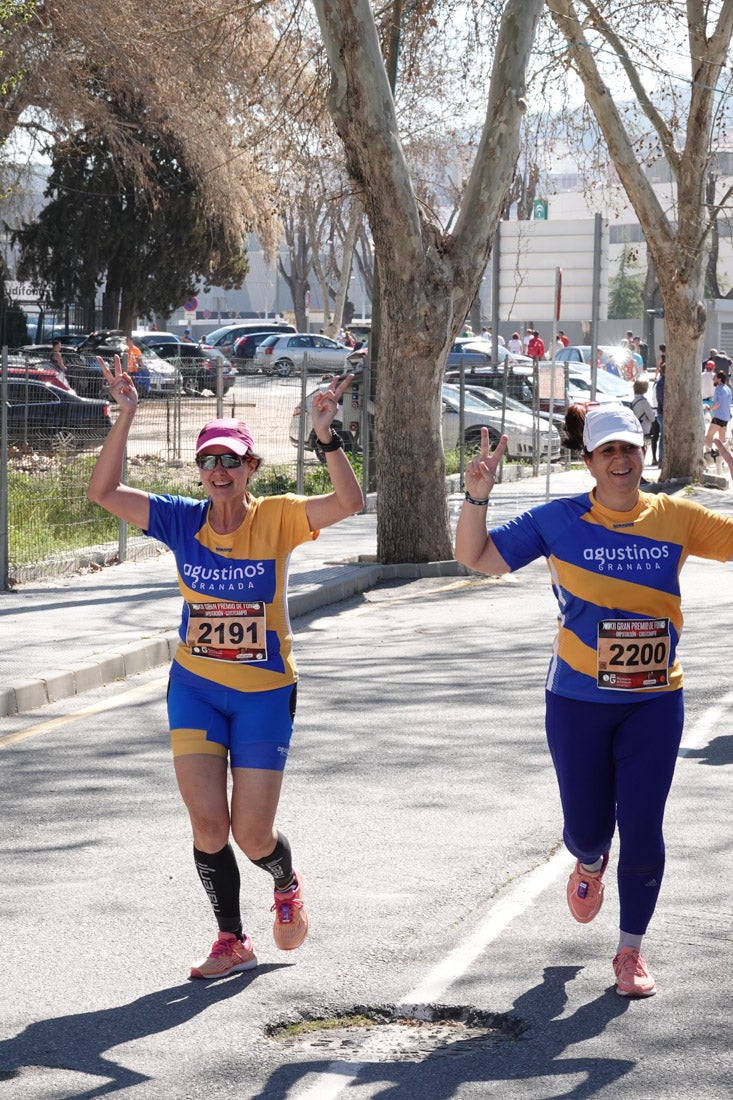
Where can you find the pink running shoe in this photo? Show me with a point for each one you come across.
(585, 892)
(632, 977)
(227, 955)
(291, 920)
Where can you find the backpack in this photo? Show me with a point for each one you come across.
(643, 416)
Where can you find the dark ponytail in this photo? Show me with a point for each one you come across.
(574, 424)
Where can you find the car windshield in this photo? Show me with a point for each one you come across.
(453, 396)
(219, 334)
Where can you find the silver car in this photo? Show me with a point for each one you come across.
(486, 412)
(284, 355)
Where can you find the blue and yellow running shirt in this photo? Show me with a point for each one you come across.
(615, 576)
(235, 628)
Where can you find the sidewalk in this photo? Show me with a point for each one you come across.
(66, 637)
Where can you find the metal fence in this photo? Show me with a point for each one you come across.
(48, 528)
(47, 525)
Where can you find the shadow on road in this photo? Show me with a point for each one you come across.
(79, 1042)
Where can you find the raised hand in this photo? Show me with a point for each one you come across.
(121, 385)
(480, 474)
(325, 406)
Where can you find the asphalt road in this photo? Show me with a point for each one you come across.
(421, 805)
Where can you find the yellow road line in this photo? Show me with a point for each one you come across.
(154, 687)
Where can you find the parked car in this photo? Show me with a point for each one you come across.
(83, 372)
(495, 400)
(283, 355)
(225, 336)
(20, 367)
(145, 336)
(608, 386)
(476, 352)
(615, 360)
(478, 414)
(198, 365)
(43, 415)
(244, 351)
(106, 336)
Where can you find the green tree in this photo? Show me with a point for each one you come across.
(149, 247)
(626, 291)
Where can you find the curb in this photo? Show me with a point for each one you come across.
(32, 692)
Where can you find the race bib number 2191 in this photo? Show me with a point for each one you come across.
(227, 631)
(633, 654)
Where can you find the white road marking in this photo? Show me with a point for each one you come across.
(330, 1084)
(334, 1079)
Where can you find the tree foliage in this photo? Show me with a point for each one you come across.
(148, 245)
(626, 291)
(194, 65)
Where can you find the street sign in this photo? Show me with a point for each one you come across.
(539, 209)
(191, 305)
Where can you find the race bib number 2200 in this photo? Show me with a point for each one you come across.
(633, 654)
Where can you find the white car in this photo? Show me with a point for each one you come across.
(478, 413)
(284, 355)
(485, 411)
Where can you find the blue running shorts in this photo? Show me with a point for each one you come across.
(252, 727)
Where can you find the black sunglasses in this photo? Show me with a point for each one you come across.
(229, 462)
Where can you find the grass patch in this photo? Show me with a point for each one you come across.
(49, 514)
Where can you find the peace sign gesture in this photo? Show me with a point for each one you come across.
(325, 405)
(481, 470)
(121, 385)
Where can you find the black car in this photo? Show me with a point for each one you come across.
(244, 351)
(83, 372)
(198, 365)
(42, 415)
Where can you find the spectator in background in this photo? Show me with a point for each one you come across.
(722, 362)
(643, 349)
(187, 338)
(642, 410)
(527, 337)
(661, 359)
(707, 382)
(721, 410)
(134, 357)
(562, 340)
(57, 360)
(515, 345)
(536, 346)
(659, 397)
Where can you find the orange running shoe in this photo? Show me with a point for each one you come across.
(632, 977)
(227, 955)
(291, 920)
(585, 892)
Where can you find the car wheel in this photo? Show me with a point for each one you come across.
(66, 440)
(284, 367)
(472, 440)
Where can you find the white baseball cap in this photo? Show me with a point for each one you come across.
(605, 423)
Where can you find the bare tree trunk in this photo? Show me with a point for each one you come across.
(679, 250)
(428, 278)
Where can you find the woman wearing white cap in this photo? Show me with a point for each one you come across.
(233, 680)
(614, 703)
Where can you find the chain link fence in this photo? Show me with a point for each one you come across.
(50, 439)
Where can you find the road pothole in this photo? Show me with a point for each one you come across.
(405, 1033)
